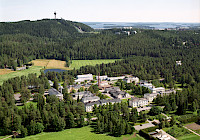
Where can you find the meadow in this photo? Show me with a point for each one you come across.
(189, 137)
(83, 133)
(79, 63)
(33, 69)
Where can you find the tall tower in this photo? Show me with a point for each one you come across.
(55, 14)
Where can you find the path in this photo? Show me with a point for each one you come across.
(191, 131)
(6, 137)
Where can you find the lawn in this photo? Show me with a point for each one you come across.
(33, 69)
(79, 63)
(83, 133)
(189, 137)
(28, 104)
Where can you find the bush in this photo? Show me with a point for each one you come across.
(188, 118)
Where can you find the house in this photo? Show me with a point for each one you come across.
(81, 94)
(50, 83)
(119, 94)
(89, 106)
(138, 102)
(107, 90)
(151, 96)
(53, 91)
(131, 80)
(82, 78)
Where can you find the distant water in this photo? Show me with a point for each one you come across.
(144, 25)
(55, 70)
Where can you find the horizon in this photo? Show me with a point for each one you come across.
(178, 11)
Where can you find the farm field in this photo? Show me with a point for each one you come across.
(5, 71)
(50, 64)
(33, 69)
(79, 63)
(57, 64)
(83, 133)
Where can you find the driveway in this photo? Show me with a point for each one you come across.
(143, 126)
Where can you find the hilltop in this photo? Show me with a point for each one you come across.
(51, 28)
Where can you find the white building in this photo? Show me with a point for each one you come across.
(91, 98)
(115, 78)
(138, 102)
(178, 63)
(104, 77)
(89, 106)
(131, 80)
(81, 94)
(157, 90)
(151, 96)
(51, 83)
(82, 78)
(53, 91)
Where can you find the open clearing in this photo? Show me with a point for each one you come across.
(58, 64)
(5, 71)
(50, 64)
(33, 69)
(193, 126)
(79, 63)
(189, 137)
(83, 133)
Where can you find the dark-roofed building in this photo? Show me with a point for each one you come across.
(89, 106)
(119, 94)
(53, 91)
(112, 88)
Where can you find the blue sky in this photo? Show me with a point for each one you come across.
(102, 10)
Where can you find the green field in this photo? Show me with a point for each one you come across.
(83, 133)
(189, 137)
(79, 63)
(33, 69)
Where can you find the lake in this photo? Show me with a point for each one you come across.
(55, 70)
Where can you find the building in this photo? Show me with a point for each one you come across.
(115, 78)
(82, 78)
(53, 91)
(131, 80)
(138, 102)
(119, 94)
(151, 96)
(178, 63)
(104, 77)
(89, 106)
(157, 90)
(104, 84)
(81, 94)
(50, 83)
(107, 90)
(73, 87)
(89, 98)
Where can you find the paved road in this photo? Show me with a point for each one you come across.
(191, 131)
(143, 126)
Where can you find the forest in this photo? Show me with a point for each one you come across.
(149, 55)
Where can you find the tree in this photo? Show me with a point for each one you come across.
(24, 131)
(194, 106)
(25, 95)
(167, 108)
(70, 120)
(39, 128)
(55, 85)
(7, 125)
(172, 121)
(31, 128)
(17, 122)
(162, 125)
(155, 110)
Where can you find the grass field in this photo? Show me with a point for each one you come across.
(83, 133)
(189, 137)
(79, 63)
(33, 69)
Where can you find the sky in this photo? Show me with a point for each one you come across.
(102, 10)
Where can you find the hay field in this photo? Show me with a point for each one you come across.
(50, 64)
(5, 71)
